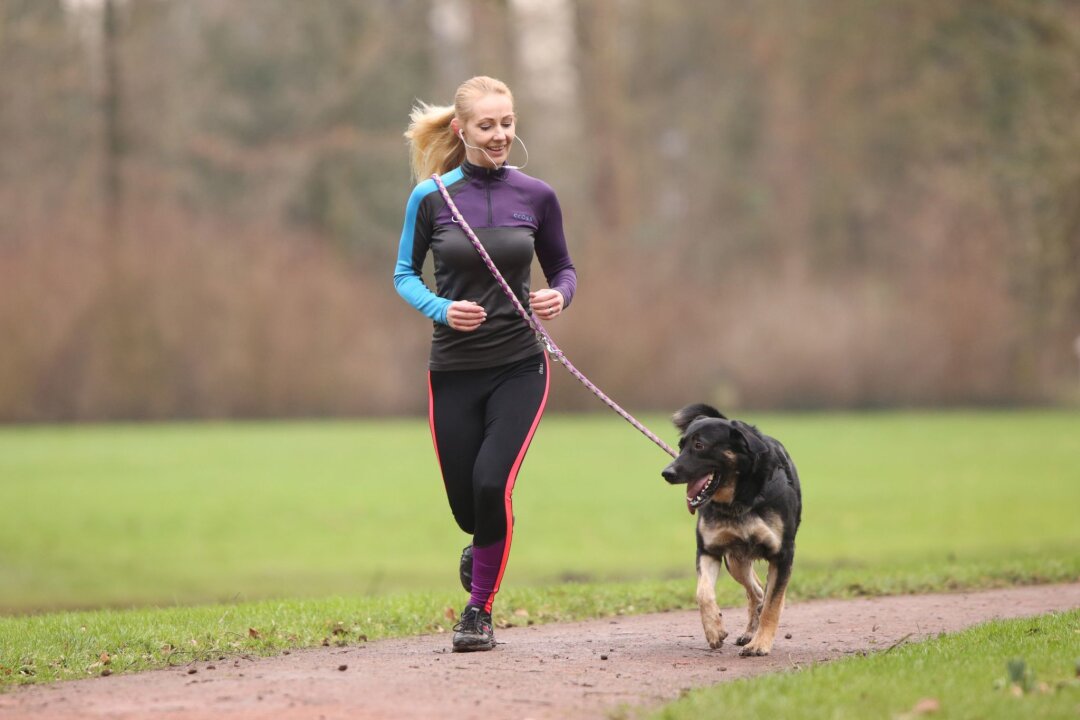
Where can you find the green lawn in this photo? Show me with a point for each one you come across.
(1024, 668)
(301, 529)
(179, 514)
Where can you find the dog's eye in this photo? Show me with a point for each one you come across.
(698, 445)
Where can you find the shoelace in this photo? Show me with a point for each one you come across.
(472, 621)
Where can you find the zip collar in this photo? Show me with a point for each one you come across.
(483, 173)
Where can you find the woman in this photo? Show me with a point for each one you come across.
(488, 375)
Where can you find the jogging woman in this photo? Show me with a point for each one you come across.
(488, 377)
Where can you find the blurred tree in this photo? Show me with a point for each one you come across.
(301, 114)
(45, 102)
(112, 107)
(842, 204)
(606, 114)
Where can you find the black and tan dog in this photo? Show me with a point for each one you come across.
(746, 492)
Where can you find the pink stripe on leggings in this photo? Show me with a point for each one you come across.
(507, 497)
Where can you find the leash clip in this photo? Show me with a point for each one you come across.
(550, 346)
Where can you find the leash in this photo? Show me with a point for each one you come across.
(534, 323)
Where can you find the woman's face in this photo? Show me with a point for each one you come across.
(491, 127)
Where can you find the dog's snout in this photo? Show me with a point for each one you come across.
(669, 473)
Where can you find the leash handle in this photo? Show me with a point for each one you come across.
(534, 323)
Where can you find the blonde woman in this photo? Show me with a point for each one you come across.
(488, 377)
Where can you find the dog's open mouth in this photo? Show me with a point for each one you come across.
(698, 492)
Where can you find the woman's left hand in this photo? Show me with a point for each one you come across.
(546, 304)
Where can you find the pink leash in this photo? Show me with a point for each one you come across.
(535, 325)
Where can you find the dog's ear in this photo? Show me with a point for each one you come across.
(750, 437)
(690, 413)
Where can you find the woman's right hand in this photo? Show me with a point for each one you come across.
(465, 315)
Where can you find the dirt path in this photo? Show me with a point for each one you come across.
(574, 670)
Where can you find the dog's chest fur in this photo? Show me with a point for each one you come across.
(749, 534)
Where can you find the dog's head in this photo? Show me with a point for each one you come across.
(712, 449)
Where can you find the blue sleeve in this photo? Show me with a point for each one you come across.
(412, 249)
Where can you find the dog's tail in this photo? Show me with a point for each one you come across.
(690, 413)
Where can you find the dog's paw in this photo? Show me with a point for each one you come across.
(712, 622)
(743, 639)
(753, 650)
(715, 638)
(747, 652)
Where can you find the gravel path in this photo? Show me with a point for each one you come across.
(570, 670)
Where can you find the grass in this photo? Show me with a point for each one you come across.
(70, 645)
(199, 533)
(1003, 669)
(124, 516)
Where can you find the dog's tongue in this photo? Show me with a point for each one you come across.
(692, 490)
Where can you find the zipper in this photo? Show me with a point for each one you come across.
(490, 214)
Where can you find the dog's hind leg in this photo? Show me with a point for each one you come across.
(711, 618)
(773, 605)
(742, 569)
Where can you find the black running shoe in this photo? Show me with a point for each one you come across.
(465, 569)
(475, 631)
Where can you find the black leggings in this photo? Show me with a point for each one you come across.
(482, 422)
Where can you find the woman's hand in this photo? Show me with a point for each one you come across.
(546, 304)
(465, 315)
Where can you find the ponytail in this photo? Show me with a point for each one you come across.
(433, 147)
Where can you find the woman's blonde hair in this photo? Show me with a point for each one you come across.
(433, 147)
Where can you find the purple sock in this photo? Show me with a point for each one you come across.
(486, 571)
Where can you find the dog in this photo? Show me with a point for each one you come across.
(745, 490)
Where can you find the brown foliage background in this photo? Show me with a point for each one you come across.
(770, 205)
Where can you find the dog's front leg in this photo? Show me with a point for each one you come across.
(708, 570)
(775, 588)
(742, 569)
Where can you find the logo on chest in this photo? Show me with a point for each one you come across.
(524, 217)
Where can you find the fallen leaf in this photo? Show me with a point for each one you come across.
(449, 614)
(253, 633)
(105, 659)
(521, 612)
(927, 706)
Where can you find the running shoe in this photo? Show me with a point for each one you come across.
(475, 631)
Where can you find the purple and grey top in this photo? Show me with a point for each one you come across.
(514, 216)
